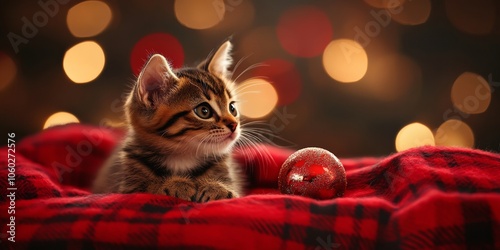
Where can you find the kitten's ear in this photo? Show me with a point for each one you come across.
(154, 79)
(221, 60)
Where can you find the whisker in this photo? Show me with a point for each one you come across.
(253, 66)
(264, 156)
(240, 88)
(262, 129)
(238, 64)
(255, 138)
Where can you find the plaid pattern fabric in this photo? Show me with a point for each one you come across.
(424, 198)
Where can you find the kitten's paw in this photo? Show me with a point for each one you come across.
(209, 191)
(180, 187)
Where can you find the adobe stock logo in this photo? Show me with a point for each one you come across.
(382, 18)
(30, 27)
(221, 6)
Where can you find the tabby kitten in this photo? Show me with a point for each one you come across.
(182, 125)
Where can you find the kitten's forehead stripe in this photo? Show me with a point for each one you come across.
(207, 82)
(221, 103)
(219, 86)
(205, 88)
(217, 108)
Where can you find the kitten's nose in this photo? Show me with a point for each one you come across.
(232, 126)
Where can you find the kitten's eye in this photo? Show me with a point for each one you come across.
(232, 109)
(203, 110)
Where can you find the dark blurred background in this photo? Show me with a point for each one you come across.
(355, 77)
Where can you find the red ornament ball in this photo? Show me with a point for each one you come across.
(313, 172)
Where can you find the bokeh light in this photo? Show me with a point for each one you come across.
(8, 70)
(199, 14)
(399, 74)
(392, 77)
(60, 118)
(454, 133)
(284, 77)
(242, 15)
(471, 93)
(161, 43)
(304, 31)
(385, 3)
(412, 12)
(473, 17)
(414, 135)
(257, 98)
(84, 62)
(88, 18)
(345, 60)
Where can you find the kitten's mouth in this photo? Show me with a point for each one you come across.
(223, 139)
(231, 136)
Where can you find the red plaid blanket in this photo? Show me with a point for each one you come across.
(423, 198)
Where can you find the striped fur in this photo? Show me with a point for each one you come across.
(182, 127)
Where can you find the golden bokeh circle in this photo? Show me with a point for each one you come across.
(60, 118)
(471, 93)
(84, 62)
(414, 135)
(88, 18)
(199, 14)
(454, 133)
(257, 98)
(345, 60)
